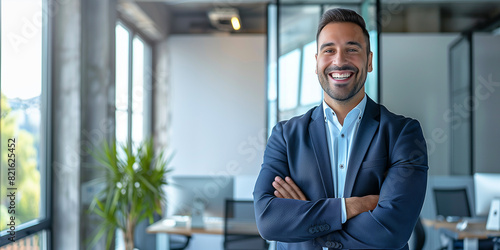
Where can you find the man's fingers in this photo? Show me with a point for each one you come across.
(295, 188)
(285, 189)
(281, 191)
(278, 194)
(288, 188)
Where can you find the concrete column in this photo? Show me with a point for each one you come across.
(97, 114)
(66, 118)
(161, 96)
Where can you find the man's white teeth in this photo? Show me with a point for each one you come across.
(340, 76)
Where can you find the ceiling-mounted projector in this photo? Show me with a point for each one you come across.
(226, 19)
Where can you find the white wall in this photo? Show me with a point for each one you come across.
(218, 104)
(486, 119)
(415, 84)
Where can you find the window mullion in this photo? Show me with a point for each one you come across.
(301, 73)
(130, 89)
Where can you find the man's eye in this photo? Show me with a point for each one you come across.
(352, 50)
(328, 51)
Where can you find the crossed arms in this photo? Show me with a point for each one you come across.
(287, 189)
(382, 220)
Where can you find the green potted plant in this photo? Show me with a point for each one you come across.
(133, 188)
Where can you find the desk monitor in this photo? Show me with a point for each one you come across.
(452, 204)
(187, 192)
(486, 187)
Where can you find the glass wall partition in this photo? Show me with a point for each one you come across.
(460, 91)
(474, 100)
(292, 86)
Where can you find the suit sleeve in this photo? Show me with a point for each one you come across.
(390, 224)
(289, 220)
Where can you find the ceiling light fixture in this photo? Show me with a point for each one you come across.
(226, 19)
(236, 23)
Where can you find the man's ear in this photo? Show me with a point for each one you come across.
(316, 69)
(370, 65)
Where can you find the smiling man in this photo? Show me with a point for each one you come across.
(348, 173)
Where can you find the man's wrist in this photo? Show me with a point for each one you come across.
(358, 205)
(350, 207)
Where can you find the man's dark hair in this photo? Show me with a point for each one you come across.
(340, 15)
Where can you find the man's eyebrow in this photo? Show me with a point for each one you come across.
(333, 44)
(326, 45)
(355, 44)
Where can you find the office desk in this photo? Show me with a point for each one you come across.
(474, 232)
(166, 226)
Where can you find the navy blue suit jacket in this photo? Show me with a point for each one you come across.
(388, 158)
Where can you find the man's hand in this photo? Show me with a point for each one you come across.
(358, 205)
(354, 205)
(287, 189)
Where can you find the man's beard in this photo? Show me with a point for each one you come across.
(338, 95)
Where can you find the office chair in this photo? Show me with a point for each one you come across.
(418, 235)
(145, 240)
(496, 243)
(178, 242)
(240, 228)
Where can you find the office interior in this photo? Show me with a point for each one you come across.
(77, 73)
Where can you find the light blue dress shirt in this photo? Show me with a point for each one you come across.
(340, 138)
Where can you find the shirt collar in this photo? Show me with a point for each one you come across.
(328, 112)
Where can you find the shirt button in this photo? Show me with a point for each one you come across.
(341, 166)
(342, 135)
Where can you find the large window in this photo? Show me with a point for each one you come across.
(133, 86)
(133, 93)
(23, 125)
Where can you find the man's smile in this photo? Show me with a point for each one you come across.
(341, 76)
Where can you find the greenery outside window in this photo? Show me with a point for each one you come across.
(24, 124)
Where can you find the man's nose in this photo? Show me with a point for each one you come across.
(339, 58)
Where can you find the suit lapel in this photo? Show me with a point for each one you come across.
(320, 146)
(366, 131)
